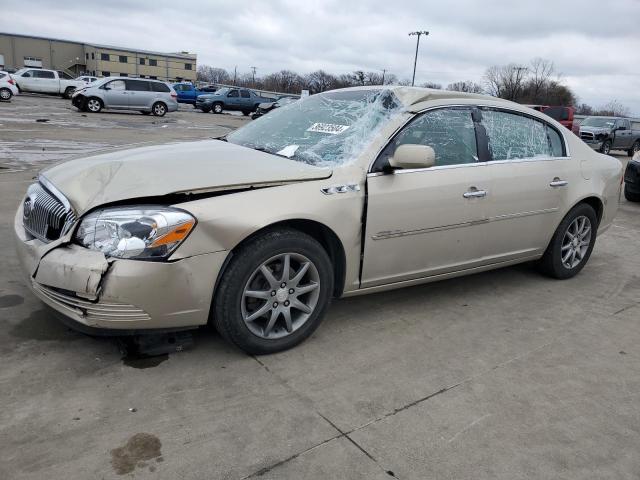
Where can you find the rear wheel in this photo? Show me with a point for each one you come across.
(572, 243)
(5, 94)
(635, 148)
(217, 107)
(274, 292)
(159, 109)
(68, 93)
(606, 147)
(94, 105)
(631, 196)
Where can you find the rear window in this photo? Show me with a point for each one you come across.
(557, 113)
(159, 87)
(2, 75)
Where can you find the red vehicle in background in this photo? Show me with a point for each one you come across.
(564, 115)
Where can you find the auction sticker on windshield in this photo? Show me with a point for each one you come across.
(331, 128)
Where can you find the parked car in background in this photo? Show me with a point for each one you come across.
(264, 108)
(187, 92)
(124, 93)
(344, 193)
(226, 98)
(562, 114)
(632, 179)
(610, 133)
(7, 86)
(39, 80)
(87, 78)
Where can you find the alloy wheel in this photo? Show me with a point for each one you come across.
(159, 109)
(93, 105)
(217, 108)
(575, 242)
(280, 296)
(5, 94)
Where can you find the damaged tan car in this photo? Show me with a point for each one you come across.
(343, 193)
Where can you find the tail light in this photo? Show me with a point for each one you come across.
(174, 95)
(11, 81)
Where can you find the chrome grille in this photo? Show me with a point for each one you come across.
(44, 215)
(92, 311)
(586, 135)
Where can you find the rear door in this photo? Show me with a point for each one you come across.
(623, 137)
(47, 81)
(531, 175)
(139, 95)
(116, 95)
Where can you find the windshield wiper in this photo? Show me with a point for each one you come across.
(262, 149)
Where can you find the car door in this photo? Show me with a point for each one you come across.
(47, 82)
(115, 95)
(233, 100)
(28, 81)
(623, 135)
(139, 96)
(531, 176)
(424, 222)
(245, 100)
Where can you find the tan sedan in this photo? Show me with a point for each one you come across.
(347, 192)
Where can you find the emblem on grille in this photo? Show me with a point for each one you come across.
(27, 208)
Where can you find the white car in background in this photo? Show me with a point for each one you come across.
(87, 79)
(39, 80)
(7, 86)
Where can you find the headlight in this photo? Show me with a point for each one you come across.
(142, 233)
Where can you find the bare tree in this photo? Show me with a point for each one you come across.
(320, 81)
(505, 81)
(465, 86)
(209, 74)
(540, 71)
(434, 85)
(614, 109)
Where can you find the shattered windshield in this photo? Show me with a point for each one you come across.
(326, 129)
(598, 122)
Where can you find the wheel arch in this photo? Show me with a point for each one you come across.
(594, 202)
(317, 230)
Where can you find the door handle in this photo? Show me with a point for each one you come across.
(558, 183)
(474, 193)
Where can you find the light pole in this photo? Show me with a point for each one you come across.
(415, 61)
(384, 70)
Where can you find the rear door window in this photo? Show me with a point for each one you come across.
(245, 94)
(44, 74)
(137, 85)
(514, 136)
(159, 87)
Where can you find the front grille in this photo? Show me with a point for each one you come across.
(44, 215)
(92, 311)
(586, 135)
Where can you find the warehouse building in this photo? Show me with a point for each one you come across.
(75, 58)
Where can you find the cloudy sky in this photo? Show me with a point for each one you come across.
(594, 44)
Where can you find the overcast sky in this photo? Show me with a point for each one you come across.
(594, 44)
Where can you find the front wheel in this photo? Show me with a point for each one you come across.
(94, 105)
(217, 108)
(274, 293)
(68, 93)
(631, 196)
(635, 148)
(571, 244)
(5, 94)
(606, 147)
(159, 109)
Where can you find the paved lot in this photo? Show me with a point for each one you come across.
(502, 375)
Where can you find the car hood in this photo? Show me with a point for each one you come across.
(595, 129)
(191, 167)
(206, 96)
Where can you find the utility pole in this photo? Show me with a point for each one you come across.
(415, 61)
(253, 81)
(235, 74)
(384, 70)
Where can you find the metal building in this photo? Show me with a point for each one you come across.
(75, 58)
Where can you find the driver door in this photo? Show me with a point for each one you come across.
(233, 99)
(427, 221)
(116, 95)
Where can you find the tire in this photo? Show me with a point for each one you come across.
(635, 148)
(5, 94)
(233, 308)
(93, 105)
(159, 109)
(217, 107)
(631, 196)
(552, 263)
(68, 93)
(144, 112)
(606, 147)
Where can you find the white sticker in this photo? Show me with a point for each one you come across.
(331, 128)
(288, 151)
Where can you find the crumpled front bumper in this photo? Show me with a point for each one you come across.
(120, 294)
(595, 144)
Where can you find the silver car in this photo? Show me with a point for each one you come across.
(123, 93)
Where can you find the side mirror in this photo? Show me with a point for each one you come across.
(413, 156)
(106, 87)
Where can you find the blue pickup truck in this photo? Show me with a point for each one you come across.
(239, 99)
(187, 92)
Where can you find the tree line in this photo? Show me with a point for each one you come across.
(536, 83)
